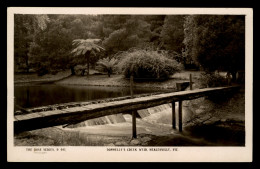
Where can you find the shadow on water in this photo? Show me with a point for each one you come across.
(47, 94)
(204, 135)
(220, 133)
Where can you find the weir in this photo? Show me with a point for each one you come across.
(75, 115)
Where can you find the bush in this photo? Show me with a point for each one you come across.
(54, 71)
(80, 70)
(107, 65)
(147, 65)
(42, 71)
(210, 79)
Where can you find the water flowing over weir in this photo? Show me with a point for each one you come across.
(120, 118)
(111, 119)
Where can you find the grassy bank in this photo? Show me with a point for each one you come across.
(115, 80)
(33, 77)
(120, 80)
(64, 78)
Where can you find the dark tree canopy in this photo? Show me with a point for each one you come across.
(172, 34)
(128, 31)
(216, 42)
(26, 28)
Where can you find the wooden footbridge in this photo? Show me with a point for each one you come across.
(43, 119)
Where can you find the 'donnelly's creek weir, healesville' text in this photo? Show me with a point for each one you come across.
(142, 149)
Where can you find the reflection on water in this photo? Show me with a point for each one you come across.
(41, 95)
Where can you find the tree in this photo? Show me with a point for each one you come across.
(44, 41)
(156, 25)
(216, 42)
(26, 28)
(86, 47)
(130, 31)
(52, 46)
(107, 65)
(172, 33)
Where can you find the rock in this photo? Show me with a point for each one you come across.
(118, 144)
(144, 144)
(145, 139)
(148, 130)
(121, 143)
(110, 144)
(134, 142)
(208, 122)
(203, 107)
(214, 119)
(198, 111)
(223, 120)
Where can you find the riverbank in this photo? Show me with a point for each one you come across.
(116, 80)
(34, 78)
(120, 80)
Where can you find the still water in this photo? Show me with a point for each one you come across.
(47, 94)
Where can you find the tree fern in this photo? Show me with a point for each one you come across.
(107, 65)
(86, 47)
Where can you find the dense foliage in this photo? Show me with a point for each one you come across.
(107, 65)
(172, 33)
(143, 64)
(216, 42)
(80, 70)
(210, 79)
(43, 43)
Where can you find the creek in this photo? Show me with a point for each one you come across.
(41, 95)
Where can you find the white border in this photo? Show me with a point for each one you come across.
(99, 154)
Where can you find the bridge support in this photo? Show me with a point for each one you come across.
(173, 115)
(180, 115)
(191, 82)
(134, 123)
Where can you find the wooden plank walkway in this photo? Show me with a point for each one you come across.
(73, 115)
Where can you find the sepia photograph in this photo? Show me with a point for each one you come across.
(130, 85)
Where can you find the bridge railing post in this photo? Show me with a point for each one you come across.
(173, 115)
(131, 85)
(191, 82)
(134, 124)
(180, 115)
(135, 111)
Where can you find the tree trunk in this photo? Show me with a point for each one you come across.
(109, 72)
(233, 73)
(72, 70)
(88, 65)
(27, 65)
(82, 72)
